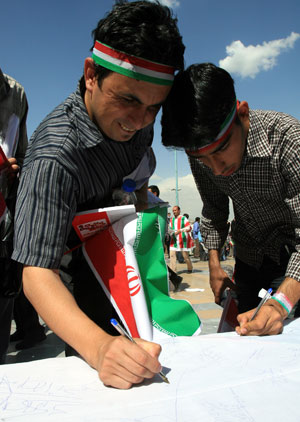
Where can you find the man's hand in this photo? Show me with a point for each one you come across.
(219, 281)
(119, 362)
(123, 363)
(12, 169)
(218, 278)
(268, 321)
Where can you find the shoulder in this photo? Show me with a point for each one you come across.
(16, 96)
(273, 120)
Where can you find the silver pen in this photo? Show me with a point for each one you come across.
(123, 332)
(264, 299)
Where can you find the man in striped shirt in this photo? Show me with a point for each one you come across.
(77, 156)
(252, 157)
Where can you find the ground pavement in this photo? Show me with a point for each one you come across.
(194, 288)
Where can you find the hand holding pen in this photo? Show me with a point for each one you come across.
(124, 333)
(261, 321)
(261, 303)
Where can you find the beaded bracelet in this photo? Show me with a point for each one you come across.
(283, 300)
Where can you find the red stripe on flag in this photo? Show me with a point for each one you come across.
(3, 158)
(109, 262)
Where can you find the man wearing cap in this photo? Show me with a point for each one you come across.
(77, 156)
(252, 157)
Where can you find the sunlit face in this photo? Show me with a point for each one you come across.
(122, 105)
(226, 158)
(176, 211)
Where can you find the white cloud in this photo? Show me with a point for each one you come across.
(188, 195)
(170, 3)
(189, 198)
(250, 60)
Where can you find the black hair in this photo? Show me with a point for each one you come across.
(144, 29)
(201, 98)
(154, 189)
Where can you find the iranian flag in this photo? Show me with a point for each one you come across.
(127, 258)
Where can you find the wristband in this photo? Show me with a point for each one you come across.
(283, 300)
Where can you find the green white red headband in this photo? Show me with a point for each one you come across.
(132, 66)
(224, 132)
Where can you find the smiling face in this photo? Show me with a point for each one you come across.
(122, 105)
(226, 158)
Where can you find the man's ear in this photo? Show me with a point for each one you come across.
(243, 110)
(89, 73)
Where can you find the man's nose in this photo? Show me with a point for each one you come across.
(217, 165)
(138, 117)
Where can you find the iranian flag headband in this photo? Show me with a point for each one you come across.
(132, 66)
(224, 132)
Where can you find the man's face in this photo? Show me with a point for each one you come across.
(227, 157)
(122, 105)
(176, 211)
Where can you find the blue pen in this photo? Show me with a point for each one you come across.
(264, 299)
(123, 332)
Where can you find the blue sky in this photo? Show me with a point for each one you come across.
(44, 44)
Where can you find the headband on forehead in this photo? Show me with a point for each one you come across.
(224, 132)
(131, 66)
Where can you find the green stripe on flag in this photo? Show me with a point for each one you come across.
(174, 317)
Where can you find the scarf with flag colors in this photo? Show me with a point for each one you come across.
(182, 241)
(127, 259)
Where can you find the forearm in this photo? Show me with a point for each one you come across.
(291, 289)
(59, 310)
(213, 259)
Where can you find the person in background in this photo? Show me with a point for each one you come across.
(77, 156)
(154, 189)
(196, 231)
(253, 157)
(173, 277)
(13, 143)
(181, 239)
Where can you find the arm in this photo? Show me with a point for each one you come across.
(119, 362)
(270, 318)
(214, 226)
(218, 278)
(186, 229)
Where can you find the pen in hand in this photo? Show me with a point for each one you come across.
(123, 332)
(264, 299)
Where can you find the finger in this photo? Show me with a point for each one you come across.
(153, 349)
(12, 160)
(15, 168)
(243, 320)
(230, 284)
(115, 376)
